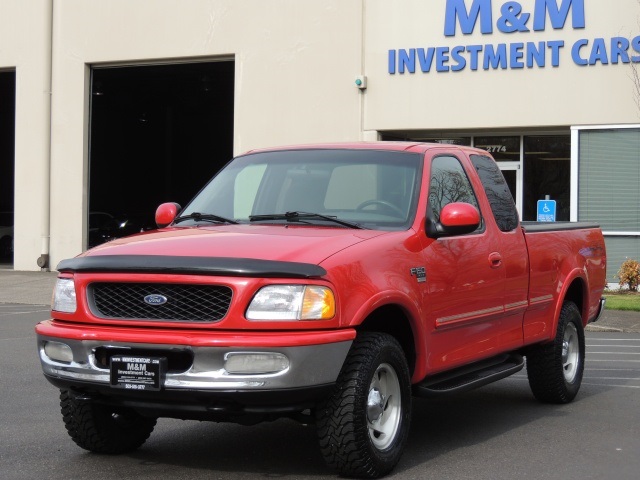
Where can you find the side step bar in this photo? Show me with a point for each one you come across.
(470, 376)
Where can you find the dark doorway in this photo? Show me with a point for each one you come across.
(158, 133)
(7, 163)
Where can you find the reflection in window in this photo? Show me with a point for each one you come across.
(498, 193)
(449, 184)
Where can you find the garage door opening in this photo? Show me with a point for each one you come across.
(157, 134)
(7, 165)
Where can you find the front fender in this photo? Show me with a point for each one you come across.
(413, 315)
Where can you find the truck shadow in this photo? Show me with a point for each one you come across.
(286, 448)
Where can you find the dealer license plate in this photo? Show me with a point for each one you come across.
(138, 373)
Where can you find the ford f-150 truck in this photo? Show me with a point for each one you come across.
(325, 283)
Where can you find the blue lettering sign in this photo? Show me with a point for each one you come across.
(474, 51)
(495, 58)
(456, 56)
(442, 57)
(516, 55)
(555, 47)
(407, 60)
(425, 58)
(457, 10)
(513, 18)
(535, 54)
(575, 52)
(558, 14)
(598, 52)
(635, 43)
(619, 50)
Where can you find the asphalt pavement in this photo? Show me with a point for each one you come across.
(34, 288)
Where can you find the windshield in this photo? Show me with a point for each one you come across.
(369, 188)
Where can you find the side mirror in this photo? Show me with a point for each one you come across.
(455, 219)
(460, 215)
(166, 213)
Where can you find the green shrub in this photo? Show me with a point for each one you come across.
(629, 274)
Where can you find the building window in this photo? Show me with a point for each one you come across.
(547, 173)
(609, 175)
(464, 141)
(502, 149)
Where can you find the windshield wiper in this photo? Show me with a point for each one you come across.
(204, 217)
(301, 216)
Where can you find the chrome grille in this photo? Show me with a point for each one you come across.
(184, 303)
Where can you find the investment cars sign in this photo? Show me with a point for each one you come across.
(470, 16)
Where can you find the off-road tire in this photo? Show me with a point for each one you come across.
(555, 369)
(372, 395)
(101, 428)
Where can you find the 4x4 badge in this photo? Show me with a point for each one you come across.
(420, 274)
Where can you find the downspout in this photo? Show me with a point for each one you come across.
(366, 135)
(45, 228)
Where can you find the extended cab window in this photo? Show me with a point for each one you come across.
(498, 193)
(449, 184)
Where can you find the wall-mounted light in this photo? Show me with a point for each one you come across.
(97, 89)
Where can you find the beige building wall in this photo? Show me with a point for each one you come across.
(296, 62)
(25, 39)
(295, 68)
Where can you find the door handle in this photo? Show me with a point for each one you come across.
(495, 260)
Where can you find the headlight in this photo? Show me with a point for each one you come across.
(64, 296)
(292, 302)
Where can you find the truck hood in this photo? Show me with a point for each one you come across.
(265, 242)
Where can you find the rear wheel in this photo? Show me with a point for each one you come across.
(555, 369)
(363, 427)
(102, 428)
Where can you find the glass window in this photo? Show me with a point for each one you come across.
(464, 141)
(502, 149)
(246, 189)
(547, 172)
(375, 189)
(609, 176)
(498, 193)
(449, 184)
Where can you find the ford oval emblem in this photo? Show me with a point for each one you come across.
(155, 299)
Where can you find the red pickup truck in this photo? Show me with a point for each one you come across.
(329, 284)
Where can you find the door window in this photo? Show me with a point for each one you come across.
(449, 184)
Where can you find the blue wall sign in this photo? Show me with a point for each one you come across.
(466, 16)
(546, 210)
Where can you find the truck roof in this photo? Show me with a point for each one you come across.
(416, 147)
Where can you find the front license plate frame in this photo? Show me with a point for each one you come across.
(138, 373)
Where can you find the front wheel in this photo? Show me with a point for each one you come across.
(555, 369)
(102, 428)
(363, 426)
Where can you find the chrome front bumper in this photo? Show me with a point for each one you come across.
(309, 366)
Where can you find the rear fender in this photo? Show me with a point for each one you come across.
(573, 288)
